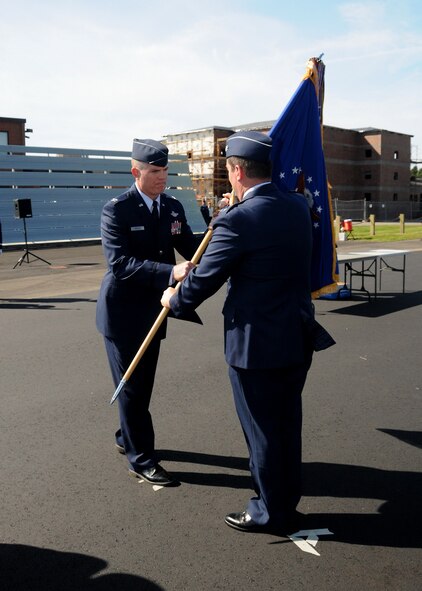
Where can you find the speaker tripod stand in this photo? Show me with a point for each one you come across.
(27, 253)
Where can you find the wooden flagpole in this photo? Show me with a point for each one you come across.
(158, 322)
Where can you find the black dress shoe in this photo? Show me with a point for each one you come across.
(155, 475)
(244, 522)
(120, 448)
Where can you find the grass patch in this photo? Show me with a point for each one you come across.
(387, 232)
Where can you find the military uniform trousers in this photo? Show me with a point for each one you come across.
(269, 406)
(136, 432)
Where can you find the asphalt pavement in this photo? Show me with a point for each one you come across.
(71, 517)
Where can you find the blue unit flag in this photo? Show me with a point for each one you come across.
(299, 165)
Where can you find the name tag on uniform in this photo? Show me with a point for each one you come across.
(136, 228)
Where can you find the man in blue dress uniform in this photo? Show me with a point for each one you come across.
(262, 244)
(140, 230)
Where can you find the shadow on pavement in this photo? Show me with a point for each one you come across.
(200, 458)
(39, 303)
(385, 303)
(210, 479)
(28, 568)
(411, 437)
(83, 264)
(394, 525)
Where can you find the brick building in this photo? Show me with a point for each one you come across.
(369, 163)
(12, 131)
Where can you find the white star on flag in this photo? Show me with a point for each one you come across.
(295, 170)
(282, 175)
(319, 209)
(316, 193)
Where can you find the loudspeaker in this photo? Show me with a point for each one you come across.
(23, 208)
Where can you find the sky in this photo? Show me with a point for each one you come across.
(96, 74)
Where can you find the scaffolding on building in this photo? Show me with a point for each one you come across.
(205, 150)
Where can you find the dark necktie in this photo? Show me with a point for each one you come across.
(155, 216)
(155, 222)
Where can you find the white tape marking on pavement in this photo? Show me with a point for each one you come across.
(155, 487)
(311, 541)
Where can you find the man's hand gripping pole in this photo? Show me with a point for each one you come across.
(158, 322)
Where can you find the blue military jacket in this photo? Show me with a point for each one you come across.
(139, 266)
(263, 246)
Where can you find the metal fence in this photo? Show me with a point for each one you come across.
(384, 211)
(68, 188)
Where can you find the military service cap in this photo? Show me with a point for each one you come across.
(250, 145)
(150, 151)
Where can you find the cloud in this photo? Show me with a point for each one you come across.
(96, 74)
(363, 15)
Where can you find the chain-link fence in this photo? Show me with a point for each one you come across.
(384, 211)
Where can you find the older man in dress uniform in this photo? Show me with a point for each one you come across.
(140, 230)
(262, 244)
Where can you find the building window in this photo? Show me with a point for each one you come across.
(368, 175)
(395, 196)
(368, 153)
(4, 138)
(368, 196)
(189, 154)
(396, 155)
(396, 176)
